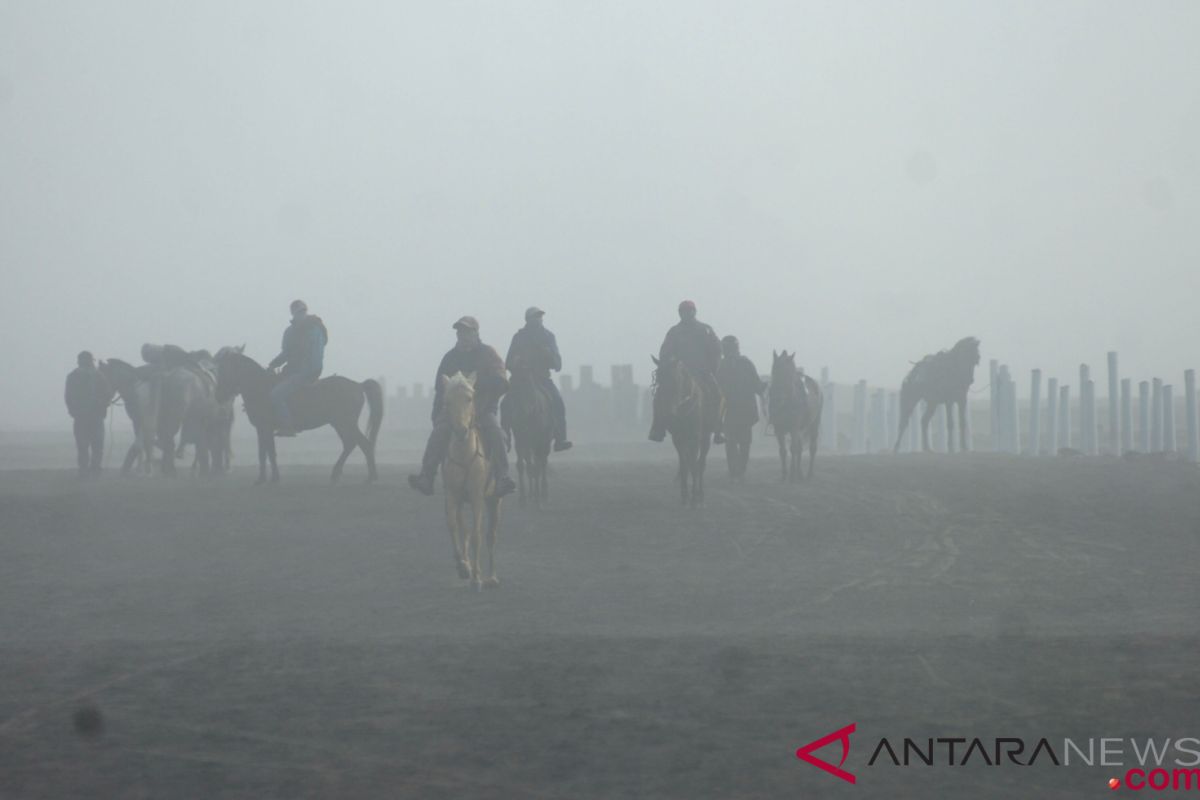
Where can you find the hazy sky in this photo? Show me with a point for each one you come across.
(863, 182)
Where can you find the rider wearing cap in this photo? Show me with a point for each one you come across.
(469, 355)
(302, 358)
(696, 345)
(535, 348)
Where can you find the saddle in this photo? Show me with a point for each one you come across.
(162, 358)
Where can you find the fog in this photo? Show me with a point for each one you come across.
(865, 183)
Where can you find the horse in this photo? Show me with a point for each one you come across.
(467, 479)
(679, 405)
(335, 401)
(184, 400)
(794, 405)
(134, 387)
(533, 430)
(942, 377)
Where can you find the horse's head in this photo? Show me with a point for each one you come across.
(967, 350)
(674, 387)
(232, 365)
(458, 392)
(118, 373)
(783, 374)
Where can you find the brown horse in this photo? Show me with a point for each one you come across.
(942, 377)
(794, 405)
(467, 479)
(335, 401)
(679, 407)
(533, 430)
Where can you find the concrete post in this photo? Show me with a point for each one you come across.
(1035, 413)
(1052, 417)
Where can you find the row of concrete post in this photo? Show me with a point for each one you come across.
(1043, 426)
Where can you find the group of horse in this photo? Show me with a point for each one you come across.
(193, 400)
(794, 405)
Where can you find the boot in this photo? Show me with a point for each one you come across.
(422, 483)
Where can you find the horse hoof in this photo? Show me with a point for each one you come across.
(464, 571)
(477, 584)
(491, 583)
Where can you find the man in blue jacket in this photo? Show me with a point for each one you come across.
(302, 358)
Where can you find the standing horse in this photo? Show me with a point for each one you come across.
(134, 387)
(679, 407)
(533, 430)
(467, 479)
(942, 377)
(794, 405)
(185, 403)
(335, 401)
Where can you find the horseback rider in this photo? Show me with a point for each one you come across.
(696, 345)
(469, 355)
(302, 357)
(535, 348)
(88, 395)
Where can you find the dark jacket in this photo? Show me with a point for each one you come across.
(490, 379)
(536, 348)
(741, 385)
(695, 344)
(303, 350)
(88, 394)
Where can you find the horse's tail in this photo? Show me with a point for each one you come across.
(374, 393)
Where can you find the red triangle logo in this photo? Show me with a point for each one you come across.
(842, 735)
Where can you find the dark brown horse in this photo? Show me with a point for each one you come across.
(335, 401)
(942, 377)
(794, 405)
(533, 430)
(679, 407)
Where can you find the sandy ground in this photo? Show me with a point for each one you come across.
(303, 640)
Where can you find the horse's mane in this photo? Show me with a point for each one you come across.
(235, 353)
(458, 382)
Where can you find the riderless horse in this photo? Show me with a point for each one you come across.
(940, 378)
(794, 406)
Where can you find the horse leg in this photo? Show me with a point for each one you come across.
(493, 522)
(783, 455)
(543, 470)
(262, 455)
(949, 427)
(168, 459)
(521, 497)
(273, 456)
(477, 504)
(130, 457)
(701, 463)
(797, 458)
(812, 451)
(454, 525)
(368, 449)
(925, 418)
(348, 445)
(962, 424)
(684, 489)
